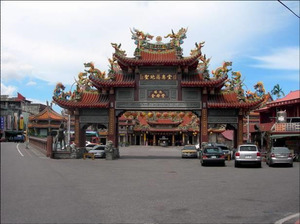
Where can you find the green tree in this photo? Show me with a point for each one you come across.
(277, 91)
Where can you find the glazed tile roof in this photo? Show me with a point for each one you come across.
(88, 100)
(47, 114)
(157, 58)
(120, 81)
(197, 81)
(292, 98)
(31, 125)
(164, 121)
(230, 100)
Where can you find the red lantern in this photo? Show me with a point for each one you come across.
(158, 114)
(173, 114)
(127, 114)
(165, 114)
(134, 114)
(181, 114)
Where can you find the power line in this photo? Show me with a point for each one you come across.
(288, 8)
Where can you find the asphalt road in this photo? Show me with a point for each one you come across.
(146, 185)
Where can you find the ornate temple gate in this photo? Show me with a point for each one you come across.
(158, 78)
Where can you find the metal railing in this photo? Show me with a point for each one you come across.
(40, 143)
(286, 127)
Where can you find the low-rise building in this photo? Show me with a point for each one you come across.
(15, 112)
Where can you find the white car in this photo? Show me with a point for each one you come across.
(98, 151)
(90, 146)
(247, 154)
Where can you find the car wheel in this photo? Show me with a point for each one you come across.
(223, 164)
(259, 165)
(291, 165)
(202, 163)
(236, 164)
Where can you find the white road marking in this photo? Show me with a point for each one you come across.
(19, 149)
(281, 221)
(28, 153)
(38, 154)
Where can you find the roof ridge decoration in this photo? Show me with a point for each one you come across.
(235, 84)
(177, 39)
(83, 84)
(140, 38)
(142, 41)
(203, 66)
(222, 71)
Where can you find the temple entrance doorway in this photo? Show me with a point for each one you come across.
(151, 128)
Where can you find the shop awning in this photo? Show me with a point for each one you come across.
(285, 135)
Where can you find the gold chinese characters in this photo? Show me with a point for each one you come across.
(157, 94)
(158, 77)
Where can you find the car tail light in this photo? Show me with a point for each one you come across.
(237, 154)
(258, 154)
(272, 155)
(222, 156)
(290, 155)
(204, 156)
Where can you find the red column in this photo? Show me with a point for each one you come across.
(204, 134)
(112, 127)
(79, 132)
(204, 119)
(240, 129)
(49, 146)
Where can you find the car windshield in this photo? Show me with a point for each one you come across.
(99, 147)
(281, 150)
(223, 147)
(213, 150)
(248, 148)
(190, 147)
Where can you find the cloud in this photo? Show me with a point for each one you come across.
(36, 101)
(13, 68)
(31, 83)
(8, 90)
(51, 40)
(283, 58)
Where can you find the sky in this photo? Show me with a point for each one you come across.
(45, 42)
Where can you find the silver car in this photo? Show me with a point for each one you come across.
(247, 154)
(98, 151)
(279, 155)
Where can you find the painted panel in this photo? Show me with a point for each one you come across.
(94, 112)
(125, 94)
(191, 94)
(159, 83)
(158, 105)
(222, 112)
(220, 120)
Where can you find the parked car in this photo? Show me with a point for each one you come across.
(90, 146)
(98, 151)
(189, 151)
(247, 154)
(279, 155)
(19, 138)
(212, 154)
(225, 149)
